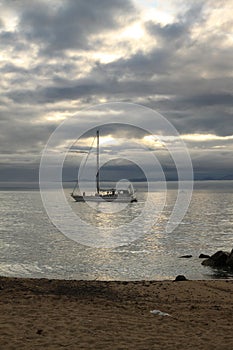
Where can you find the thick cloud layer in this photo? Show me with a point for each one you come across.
(57, 58)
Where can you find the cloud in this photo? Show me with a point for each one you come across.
(213, 99)
(71, 24)
(57, 58)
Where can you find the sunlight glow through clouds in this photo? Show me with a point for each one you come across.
(107, 140)
(220, 19)
(218, 24)
(205, 137)
(10, 18)
(135, 37)
(135, 31)
(106, 57)
(55, 117)
(157, 16)
(151, 142)
(123, 43)
(159, 11)
(158, 141)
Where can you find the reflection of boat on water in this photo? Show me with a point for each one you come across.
(105, 195)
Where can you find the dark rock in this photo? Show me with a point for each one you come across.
(229, 261)
(180, 278)
(218, 260)
(185, 256)
(39, 331)
(204, 256)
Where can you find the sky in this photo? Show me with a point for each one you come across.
(59, 57)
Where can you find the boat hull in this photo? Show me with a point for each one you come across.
(103, 199)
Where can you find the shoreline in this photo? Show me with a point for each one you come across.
(71, 314)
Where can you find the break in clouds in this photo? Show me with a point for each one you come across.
(60, 57)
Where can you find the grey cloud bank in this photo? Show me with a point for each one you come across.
(57, 58)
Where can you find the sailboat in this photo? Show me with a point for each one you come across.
(105, 195)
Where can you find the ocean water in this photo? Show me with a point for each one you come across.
(31, 246)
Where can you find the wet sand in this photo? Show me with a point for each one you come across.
(60, 314)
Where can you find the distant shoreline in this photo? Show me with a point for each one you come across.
(171, 184)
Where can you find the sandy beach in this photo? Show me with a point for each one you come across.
(60, 314)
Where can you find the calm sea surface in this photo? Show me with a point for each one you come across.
(31, 246)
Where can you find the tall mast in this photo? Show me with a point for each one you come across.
(98, 162)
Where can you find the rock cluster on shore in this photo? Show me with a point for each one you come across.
(220, 259)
